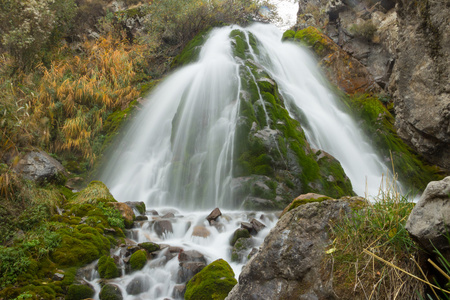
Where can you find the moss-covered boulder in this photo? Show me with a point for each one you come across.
(96, 191)
(239, 233)
(303, 199)
(241, 248)
(110, 292)
(215, 281)
(150, 247)
(107, 268)
(79, 292)
(138, 260)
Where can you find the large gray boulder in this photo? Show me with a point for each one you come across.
(40, 167)
(429, 221)
(291, 262)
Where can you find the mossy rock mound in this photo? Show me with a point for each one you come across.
(239, 233)
(191, 51)
(95, 192)
(79, 292)
(138, 260)
(150, 247)
(80, 245)
(303, 199)
(215, 281)
(110, 292)
(107, 268)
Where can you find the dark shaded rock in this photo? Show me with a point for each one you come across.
(188, 269)
(290, 262)
(257, 225)
(214, 215)
(239, 233)
(110, 292)
(40, 167)
(162, 227)
(138, 285)
(429, 221)
(191, 255)
(141, 218)
(58, 276)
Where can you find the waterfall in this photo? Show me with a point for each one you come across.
(179, 149)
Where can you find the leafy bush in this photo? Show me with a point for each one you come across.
(13, 262)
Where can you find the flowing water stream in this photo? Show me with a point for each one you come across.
(177, 153)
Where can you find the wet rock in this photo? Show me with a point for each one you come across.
(188, 269)
(429, 221)
(252, 253)
(141, 218)
(257, 225)
(240, 249)
(126, 212)
(214, 215)
(201, 231)
(137, 206)
(153, 212)
(239, 233)
(219, 226)
(290, 262)
(191, 255)
(248, 226)
(150, 247)
(178, 291)
(130, 249)
(162, 227)
(110, 292)
(40, 167)
(138, 285)
(58, 276)
(169, 215)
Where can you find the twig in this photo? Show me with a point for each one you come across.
(414, 276)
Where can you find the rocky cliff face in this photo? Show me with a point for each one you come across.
(405, 46)
(420, 81)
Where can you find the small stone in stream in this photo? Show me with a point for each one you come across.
(257, 225)
(188, 269)
(178, 291)
(141, 218)
(138, 285)
(201, 231)
(239, 233)
(249, 227)
(152, 212)
(214, 215)
(191, 255)
(162, 227)
(169, 215)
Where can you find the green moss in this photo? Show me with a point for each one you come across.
(242, 244)
(298, 202)
(79, 292)
(150, 247)
(239, 233)
(215, 281)
(138, 260)
(95, 192)
(288, 35)
(378, 123)
(191, 51)
(107, 267)
(240, 43)
(80, 245)
(110, 292)
(313, 38)
(141, 208)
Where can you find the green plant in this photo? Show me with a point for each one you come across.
(13, 262)
(377, 228)
(366, 29)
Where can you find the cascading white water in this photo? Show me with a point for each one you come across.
(179, 150)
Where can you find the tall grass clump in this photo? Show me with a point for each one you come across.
(368, 242)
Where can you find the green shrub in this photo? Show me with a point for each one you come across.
(13, 262)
